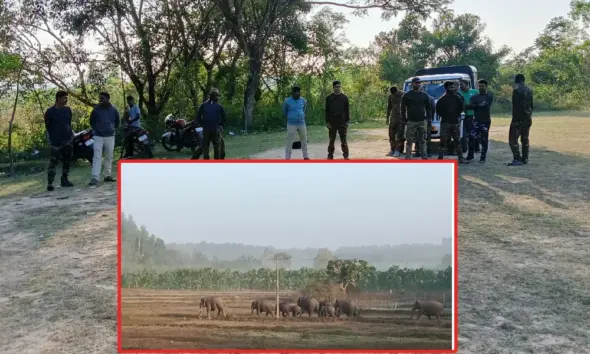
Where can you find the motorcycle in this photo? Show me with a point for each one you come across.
(179, 134)
(83, 146)
(141, 142)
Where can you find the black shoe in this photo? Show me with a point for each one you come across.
(470, 157)
(525, 161)
(306, 158)
(109, 179)
(482, 159)
(346, 158)
(463, 161)
(50, 187)
(441, 156)
(417, 154)
(330, 157)
(93, 182)
(66, 183)
(515, 163)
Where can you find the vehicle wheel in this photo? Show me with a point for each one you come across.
(168, 144)
(148, 152)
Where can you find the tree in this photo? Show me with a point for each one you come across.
(322, 258)
(11, 123)
(348, 271)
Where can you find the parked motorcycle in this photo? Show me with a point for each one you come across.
(141, 142)
(179, 134)
(83, 146)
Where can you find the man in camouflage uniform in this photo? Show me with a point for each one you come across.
(466, 93)
(416, 110)
(522, 111)
(394, 121)
(58, 123)
(449, 108)
(428, 136)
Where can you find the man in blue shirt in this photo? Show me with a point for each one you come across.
(104, 120)
(58, 123)
(294, 108)
(211, 116)
(133, 116)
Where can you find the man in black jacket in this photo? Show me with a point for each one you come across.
(58, 123)
(337, 119)
(522, 111)
(481, 106)
(211, 116)
(449, 108)
(416, 110)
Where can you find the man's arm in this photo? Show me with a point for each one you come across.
(93, 119)
(389, 108)
(70, 121)
(471, 104)
(347, 110)
(285, 108)
(200, 115)
(222, 116)
(327, 109)
(404, 108)
(532, 101)
(427, 106)
(438, 108)
(136, 113)
(117, 118)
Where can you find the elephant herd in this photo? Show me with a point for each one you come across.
(303, 305)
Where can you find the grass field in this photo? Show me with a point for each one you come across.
(524, 284)
(165, 319)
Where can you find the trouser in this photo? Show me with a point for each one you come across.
(416, 133)
(341, 131)
(106, 145)
(292, 130)
(519, 130)
(59, 153)
(479, 135)
(209, 137)
(450, 131)
(199, 150)
(467, 129)
(428, 137)
(397, 135)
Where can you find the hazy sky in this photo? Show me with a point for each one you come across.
(291, 205)
(516, 23)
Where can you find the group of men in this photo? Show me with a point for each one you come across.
(410, 114)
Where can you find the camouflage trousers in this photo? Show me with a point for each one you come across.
(450, 131)
(519, 130)
(199, 150)
(428, 136)
(479, 135)
(59, 153)
(397, 135)
(416, 133)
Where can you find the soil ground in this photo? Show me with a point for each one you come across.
(523, 248)
(167, 319)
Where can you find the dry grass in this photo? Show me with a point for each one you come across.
(164, 319)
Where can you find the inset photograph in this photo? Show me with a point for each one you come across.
(258, 255)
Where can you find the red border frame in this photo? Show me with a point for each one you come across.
(280, 351)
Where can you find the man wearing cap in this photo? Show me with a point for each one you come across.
(211, 116)
(394, 120)
(416, 110)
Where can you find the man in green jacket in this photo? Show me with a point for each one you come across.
(467, 93)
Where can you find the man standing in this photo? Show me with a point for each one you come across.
(133, 116)
(428, 124)
(337, 119)
(467, 93)
(104, 120)
(295, 108)
(58, 123)
(522, 111)
(211, 116)
(449, 108)
(481, 105)
(394, 120)
(415, 111)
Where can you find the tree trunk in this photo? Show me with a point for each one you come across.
(255, 66)
(11, 123)
(231, 85)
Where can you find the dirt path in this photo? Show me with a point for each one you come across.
(58, 283)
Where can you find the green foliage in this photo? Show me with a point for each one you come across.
(264, 279)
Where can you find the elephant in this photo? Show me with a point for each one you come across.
(428, 308)
(346, 307)
(263, 306)
(327, 310)
(285, 308)
(309, 305)
(212, 303)
(295, 310)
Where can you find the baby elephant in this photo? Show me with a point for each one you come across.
(212, 303)
(295, 310)
(262, 306)
(428, 308)
(327, 311)
(284, 308)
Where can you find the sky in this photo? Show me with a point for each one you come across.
(291, 205)
(516, 23)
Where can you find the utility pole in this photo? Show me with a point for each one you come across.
(277, 289)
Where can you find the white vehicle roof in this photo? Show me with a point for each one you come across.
(441, 77)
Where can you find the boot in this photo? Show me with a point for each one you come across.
(50, 187)
(65, 182)
(441, 156)
(470, 154)
(330, 157)
(396, 153)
